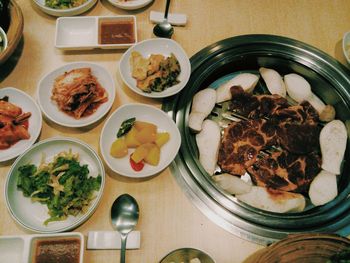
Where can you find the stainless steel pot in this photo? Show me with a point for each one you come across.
(329, 80)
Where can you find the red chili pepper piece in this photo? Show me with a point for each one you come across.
(136, 166)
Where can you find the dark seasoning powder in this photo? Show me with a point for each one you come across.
(65, 250)
(117, 32)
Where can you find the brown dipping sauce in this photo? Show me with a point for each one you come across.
(65, 250)
(117, 32)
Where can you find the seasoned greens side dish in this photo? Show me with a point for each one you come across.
(64, 185)
(63, 4)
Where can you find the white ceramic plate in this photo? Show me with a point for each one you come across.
(65, 12)
(27, 104)
(130, 4)
(31, 215)
(143, 113)
(156, 46)
(51, 110)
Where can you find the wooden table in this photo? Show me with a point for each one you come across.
(168, 219)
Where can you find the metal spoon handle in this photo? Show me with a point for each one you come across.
(166, 9)
(123, 248)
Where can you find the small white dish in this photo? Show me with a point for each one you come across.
(21, 248)
(156, 46)
(346, 46)
(85, 32)
(23, 100)
(31, 215)
(65, 12)
(51, 110)
(3, 40)
(130, 4)
(146, 113)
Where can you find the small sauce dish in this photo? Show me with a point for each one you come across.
(89, 32)
(3, 40)
(68, 247)
(346, 46)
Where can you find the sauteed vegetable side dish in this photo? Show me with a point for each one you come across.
(13, 124)
(155, 73)
(290, 145)
(64, 185)
(63, 4)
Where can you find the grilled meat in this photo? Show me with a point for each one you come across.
(241, 143)
(255, 106)
(286, 171)
(271, 121)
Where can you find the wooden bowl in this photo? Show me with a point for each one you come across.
(302, 248)
(14, 32)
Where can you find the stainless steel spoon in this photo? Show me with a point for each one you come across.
(124, 215)
(164, 29)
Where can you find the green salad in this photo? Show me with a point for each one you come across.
(64, 4)
(63, 185)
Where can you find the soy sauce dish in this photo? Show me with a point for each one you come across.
(63, 247)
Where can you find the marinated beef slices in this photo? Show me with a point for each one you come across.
(272, 123)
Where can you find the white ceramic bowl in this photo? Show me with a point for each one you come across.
(156, 46)
(143, 113)
(346, 46)
(50, 109)
(31, 215)
(130, 4)
(23, 100)
(65, 12)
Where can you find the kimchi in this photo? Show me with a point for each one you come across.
(78, 93)
(13, 124)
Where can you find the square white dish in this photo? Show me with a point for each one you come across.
(22, 248)
(76, 33)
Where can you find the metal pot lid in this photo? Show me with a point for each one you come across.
(329, 80)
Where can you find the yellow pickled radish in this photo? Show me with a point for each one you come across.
(139, 125)
(119, 148)
(140, 153)
(153, 155)
(147, 134)
(130, 138)
(162, 138)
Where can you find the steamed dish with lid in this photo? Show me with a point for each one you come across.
(276, 142)
(13, 124)
(78, 93)
(64, 4)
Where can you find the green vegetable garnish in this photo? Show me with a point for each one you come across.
(63, 185)
(125, 127)
(64, 4)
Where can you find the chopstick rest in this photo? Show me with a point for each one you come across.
(173, 18)
(111, 240)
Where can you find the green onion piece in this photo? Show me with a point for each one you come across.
(125, 127)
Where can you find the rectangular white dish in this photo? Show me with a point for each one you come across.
(77, 33)
(22, 248)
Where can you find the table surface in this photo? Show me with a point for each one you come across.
(168, 219)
